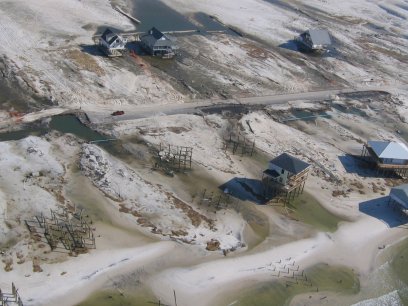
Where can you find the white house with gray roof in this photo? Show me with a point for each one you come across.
(112, 43)
(314, 40)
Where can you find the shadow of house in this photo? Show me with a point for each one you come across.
(136, 47)
(245, 189)
(357, 165)
(382, 210)
(93, 50)
(290, 45)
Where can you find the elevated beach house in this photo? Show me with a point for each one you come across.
(157, 43)
(112, 44)
(286, 176)
(399, 197)
(314, 40)
(387, 156)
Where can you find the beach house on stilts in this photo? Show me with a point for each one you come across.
(285, 177)
(387, 157)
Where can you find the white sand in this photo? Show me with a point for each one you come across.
(35, 38)
(352, 32)
(42, 44)
(83, 274)
(353, 245)
(31, 117)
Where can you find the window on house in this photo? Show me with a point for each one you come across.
(282, 171)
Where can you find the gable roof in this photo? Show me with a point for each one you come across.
(154, 37)
(156, 33)
(290, 163)
(109, 36)
(388, 149)
(400, 194)
(319, 37)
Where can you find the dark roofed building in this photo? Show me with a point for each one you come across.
(289, 163)
(286, 175)
(112, 43)
(284, 167)
(314, 40)
(157, 43)
(109, 36)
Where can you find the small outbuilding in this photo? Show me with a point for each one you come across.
(157, 43)
(399, 197)
(387, 156)
(286, 175)
(112, 44)
(314, 40)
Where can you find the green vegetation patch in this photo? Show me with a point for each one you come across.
(115, 298)
(321, 277)
(308, 210)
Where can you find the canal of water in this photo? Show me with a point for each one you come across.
(154, 13)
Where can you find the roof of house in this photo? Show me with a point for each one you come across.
(400, 194)
(389, 149)
(109, 36)
(290, 163)
(156, 33)
(156, 38)
(319, 37)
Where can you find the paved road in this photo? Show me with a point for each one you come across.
(138, 112)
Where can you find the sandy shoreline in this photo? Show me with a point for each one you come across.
(83, 274)
(200, 282)
(355, 244)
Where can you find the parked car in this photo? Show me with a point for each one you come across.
(117, 113)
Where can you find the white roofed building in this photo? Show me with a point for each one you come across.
(387, 155)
